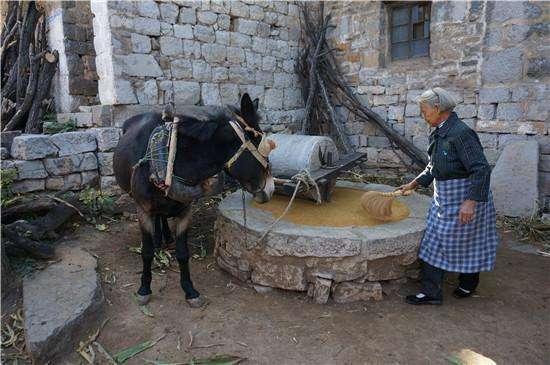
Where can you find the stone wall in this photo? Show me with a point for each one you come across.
(70, 32)
(492, 55)
(63, 161)
(198, 52)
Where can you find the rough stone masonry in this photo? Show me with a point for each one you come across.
(491, 54)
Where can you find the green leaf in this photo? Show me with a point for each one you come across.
(101, 227)
(218, 360)
(134, 249)
(145, 310)
(132, 351)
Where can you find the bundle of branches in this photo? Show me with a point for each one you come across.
(324, 86)
(28, 67)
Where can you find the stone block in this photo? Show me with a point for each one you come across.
(273, 99)
(27, 186)
(224, 22)
(169, 12)
(202, 71)
(107, 138)
(241, 75)
(138, 65)
(510, 111)
(378, 142)
(70, 164)
(259, 45)
(283, 276)
(140, 43)
(171, 46)
(124, 92)
(204, 33)
(105, 160)
(494, 95)
(90, 178)
(240, 40)
(514, 180)
(187, 16)
(412, 110)
(537, 111)
(229, 93)
(147, 93)
(223, 38)
(349, 292)
(253, 60)
(321, 290)
(148, 9)
(396, 112)
(181, 69)
(214, 53)
(235, 55)
(184, 31)
(210, 94)
(416, 127)
(292, 98)
(249, 27)
(283, 80)
(4, 153)
(207, 17)
(219, 74)
(385, 99)
(30, 169)
(224, 265)
(32, 147)
(487, 111)
(186, 92)
(71, 143)
(466, 111)
(488, 140)
(503, 66)
(72, 287)
(239, 9)
(499, 12)
(147, 26)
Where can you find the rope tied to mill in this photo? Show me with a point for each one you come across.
(303, 177)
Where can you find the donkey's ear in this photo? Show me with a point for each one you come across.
(198, 129)
(255, 102)
(247, 106)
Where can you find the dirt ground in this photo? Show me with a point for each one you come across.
(508, 321)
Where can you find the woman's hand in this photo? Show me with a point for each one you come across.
(410, 186)
(467, 211)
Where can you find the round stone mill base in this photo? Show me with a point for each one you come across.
(346, 263)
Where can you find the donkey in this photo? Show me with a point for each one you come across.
(210, 139)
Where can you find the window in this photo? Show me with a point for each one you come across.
(409, 30)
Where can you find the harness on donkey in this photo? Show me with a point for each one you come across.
(161, 154)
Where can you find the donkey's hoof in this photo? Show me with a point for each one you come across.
(196, 302)
(143, 299)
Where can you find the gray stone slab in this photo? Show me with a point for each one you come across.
(32, 147)
(514, 180)
(71, 143)
(61, 304)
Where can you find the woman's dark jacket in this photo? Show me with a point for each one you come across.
(455, 153)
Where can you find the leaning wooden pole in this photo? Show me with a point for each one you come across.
(324, 85)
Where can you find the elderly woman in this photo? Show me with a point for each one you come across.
(461, 233)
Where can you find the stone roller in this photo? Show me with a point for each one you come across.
(379, 205)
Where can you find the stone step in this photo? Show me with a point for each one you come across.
(62, 305)
(82, 119)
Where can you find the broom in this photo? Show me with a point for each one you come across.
(379, 205)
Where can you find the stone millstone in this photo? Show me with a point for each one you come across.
(62, 304)
(319, 259)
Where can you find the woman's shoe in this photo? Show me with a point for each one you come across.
(462, 293)
(422, 298)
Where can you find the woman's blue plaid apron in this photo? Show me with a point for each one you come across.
(451, 246)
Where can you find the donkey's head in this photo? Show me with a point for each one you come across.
(249, 164)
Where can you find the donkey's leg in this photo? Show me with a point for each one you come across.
(166, 233)
(147, 226)
(158, 232)
(182, 255)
